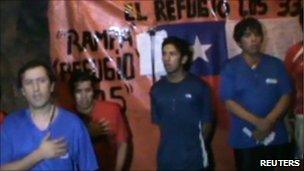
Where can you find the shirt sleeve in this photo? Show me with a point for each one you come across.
(207, 105)
(86, 158)
(6, 150)
(226, 84)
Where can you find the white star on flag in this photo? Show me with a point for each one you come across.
(199, 50)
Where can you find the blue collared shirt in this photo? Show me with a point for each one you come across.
(20, 136)
(257, 90)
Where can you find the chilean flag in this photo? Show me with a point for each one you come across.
(208, 40)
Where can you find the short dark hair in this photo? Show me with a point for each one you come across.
(247, 23)
(33, 64)
(82, 75)
(182, 46)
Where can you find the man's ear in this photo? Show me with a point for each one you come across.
(52, 86)
(184, 59)
(22, 91)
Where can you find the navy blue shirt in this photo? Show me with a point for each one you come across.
(258, 91)
(180, 109)
(20, 137)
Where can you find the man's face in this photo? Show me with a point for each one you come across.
(84, 94)
(172, 59)
(36, 87)
(251, 42)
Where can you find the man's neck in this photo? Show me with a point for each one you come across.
(177, 76)
(86, 111)
(44, 111)
(252, 60)
(44, 116)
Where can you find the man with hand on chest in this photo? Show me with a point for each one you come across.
(43, 136)
(104, 120)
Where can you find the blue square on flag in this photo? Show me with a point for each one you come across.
(208, 40)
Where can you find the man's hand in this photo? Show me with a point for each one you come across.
(263, 128)
(99, 129)
(260, 135)
(264, 124)
(52, 148)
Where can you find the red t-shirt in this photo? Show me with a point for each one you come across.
(295, 65)
(107, 149)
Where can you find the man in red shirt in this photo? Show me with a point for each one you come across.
(295, 65)
(104, 121)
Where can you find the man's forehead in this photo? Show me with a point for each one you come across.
(83, 84)
(170, 47)
(35, 72)
(251, 30)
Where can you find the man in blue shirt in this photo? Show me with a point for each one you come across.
(181, 106)
(256, 90)
(44, 136)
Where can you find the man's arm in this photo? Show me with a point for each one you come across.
(24, 164)
(122, 139)
(48, 149)
(279, 110)
(228, 94)
(207, 131)
(121, 156)
(241, 112)
(208, 113)
(265, 125)
(155, 116)
(99, 129)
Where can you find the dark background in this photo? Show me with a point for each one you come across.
(24, 36)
